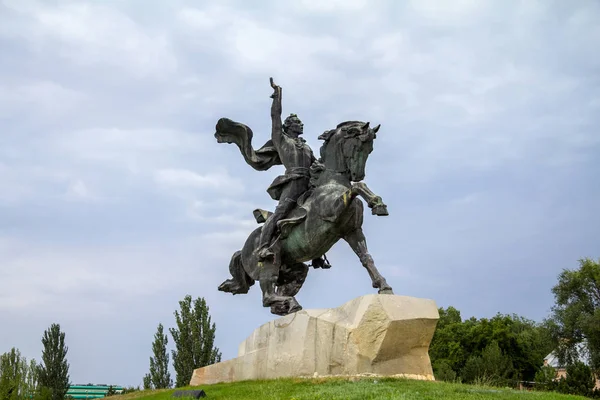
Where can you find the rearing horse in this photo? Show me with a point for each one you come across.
(330, 211)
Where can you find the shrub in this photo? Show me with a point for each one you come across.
(443, 371)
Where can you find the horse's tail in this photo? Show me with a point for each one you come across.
(240, 282)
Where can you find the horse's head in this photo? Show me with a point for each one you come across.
(347, 148)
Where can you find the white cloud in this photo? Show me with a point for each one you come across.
(182, 178)
(450, 14)
(334, 5)
(44, 275)
(44, 98)
(13, 189)
(92, 34)
(202, 19)
(255, 46)
(138, 151)
(78, 191)
(25, 182)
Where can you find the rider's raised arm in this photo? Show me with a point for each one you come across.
(276, 109)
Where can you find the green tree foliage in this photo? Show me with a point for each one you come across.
(443, 371)
(492, 367)
(575, 320)
(33, 373)
(13, 370)
(147, 382)
(111, 391)
(43, 393)
(446, 345)
(18, 379)
(194, 339)
(159, 364)
(497, 350)
(130, 389)
(545, 378)
(54, 369)
(579, 380)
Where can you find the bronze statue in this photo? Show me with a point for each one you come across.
(318, 205)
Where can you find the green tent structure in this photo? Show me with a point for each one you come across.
(91, 391)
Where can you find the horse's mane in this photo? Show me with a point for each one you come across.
(351, 127)
(348, 129)
(349, 123)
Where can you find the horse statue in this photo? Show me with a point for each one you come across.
(328, 211)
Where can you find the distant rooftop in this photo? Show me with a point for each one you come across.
(552, 359)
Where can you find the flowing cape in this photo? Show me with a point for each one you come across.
(228, 131)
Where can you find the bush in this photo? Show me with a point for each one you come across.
(43, 393)
(443, 371)
(491, 368)
(580, 380)
(130, 389)
(545, 379)
(472, 370)
(111, 391)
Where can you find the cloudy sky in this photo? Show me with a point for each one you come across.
(116, 201)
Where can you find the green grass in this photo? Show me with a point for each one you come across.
(333, 388)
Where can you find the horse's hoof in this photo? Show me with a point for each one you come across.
(285, 308)
(294, 307)
(279, 309)
(226, 286)
(231, 286)
(386, 291)
(380, 210)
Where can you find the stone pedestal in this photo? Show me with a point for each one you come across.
(385, 335)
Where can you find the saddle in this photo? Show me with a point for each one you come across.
(295, 217)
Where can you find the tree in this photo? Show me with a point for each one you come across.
(580, 380)
(130, 389)
(160, 377)
(466, 347)
(492, 367)
(18, 379)
(31, 383)
(147, 382)
(194, 339)
(110, 392)
(13, 371)
(54, 369)
(446, 347)
(576, 315)
(443, 371)
(545, 378)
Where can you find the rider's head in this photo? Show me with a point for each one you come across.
(292, 126)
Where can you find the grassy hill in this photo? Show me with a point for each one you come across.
(367, 388)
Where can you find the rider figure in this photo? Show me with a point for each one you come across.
(297, 157)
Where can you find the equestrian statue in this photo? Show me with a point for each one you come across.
(318, 205)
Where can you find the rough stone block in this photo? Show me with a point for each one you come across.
(384, 335)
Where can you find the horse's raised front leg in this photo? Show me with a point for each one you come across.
(358, 242)
(374, 202)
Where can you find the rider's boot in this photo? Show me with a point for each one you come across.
(265, 252)
(265, 249)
